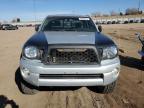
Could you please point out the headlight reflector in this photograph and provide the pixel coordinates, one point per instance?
(110, 52)
(31, 52)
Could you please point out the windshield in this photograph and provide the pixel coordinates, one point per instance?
(68, 24)
(6, 25)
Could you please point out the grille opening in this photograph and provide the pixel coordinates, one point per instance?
(70, 76)
(72, 56)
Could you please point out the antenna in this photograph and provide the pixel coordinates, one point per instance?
(34, 10)
(139, 5)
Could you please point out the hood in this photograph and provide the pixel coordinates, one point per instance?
(70, 37)
(103, 40)
(43, 39)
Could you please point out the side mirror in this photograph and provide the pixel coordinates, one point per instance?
(37, 27)
(100, 28)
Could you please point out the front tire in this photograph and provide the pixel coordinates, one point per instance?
(107, 89)
(27, 88)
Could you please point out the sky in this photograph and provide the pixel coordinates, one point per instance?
(38, 9)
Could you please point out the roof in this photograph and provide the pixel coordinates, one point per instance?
(67, 15)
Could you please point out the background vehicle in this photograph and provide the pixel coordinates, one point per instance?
(113, 22)
(9, 27)
(0, 27)
(131, 20)
(109, 22)
(142, 20)
(137, 20)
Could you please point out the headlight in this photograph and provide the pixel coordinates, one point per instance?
(110, 52)
(31, 52)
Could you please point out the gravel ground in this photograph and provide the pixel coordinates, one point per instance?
(129, 92)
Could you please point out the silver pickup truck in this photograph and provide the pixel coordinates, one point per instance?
(69, 50)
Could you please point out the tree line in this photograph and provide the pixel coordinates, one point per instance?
(128, 11)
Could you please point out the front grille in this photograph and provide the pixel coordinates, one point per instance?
(70, 76)
(72, 56)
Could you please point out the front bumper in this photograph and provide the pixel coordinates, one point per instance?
(32, 69)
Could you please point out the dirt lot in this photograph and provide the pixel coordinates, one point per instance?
(129, 92)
